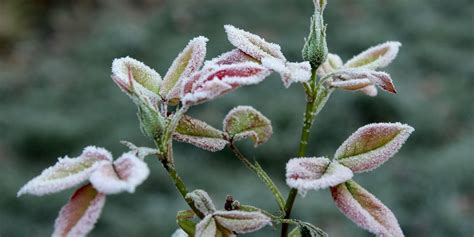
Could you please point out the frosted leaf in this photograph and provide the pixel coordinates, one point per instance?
(129, 74)
(187, 62)
(380, 79)
(67, 172)
(78, 217)
(244, 122)
(332, 63)
(202, 201)
(365, 210)
(369, 90)
(351, 84)
(306, 229)
(371, 145)
(315, 173)
(231, 57)
(206, 85)
(252, 44)
(200, 134)
(242, 222)
(289, 72)
(125, 174)
(384, 81)
(320, 5)
(206, 227)
(375, 57)
(140, 152)
(179, 233)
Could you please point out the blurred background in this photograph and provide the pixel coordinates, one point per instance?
(56, 97)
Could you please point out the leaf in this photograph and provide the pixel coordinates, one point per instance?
(371, 145)
(180, 233)
(140, 152)
(365, 210)
(231, 57)
(289, 72)
(187, 62)
(245, 121)
(375, 57)
(308, 230)
(206, 227)
(315, 173)
(125, 174)
(332, 63)
(369, 90)
(129, 73)
(380, 79)
(67, 172)
(252, 44)
(216, 81)
(78, 216)
(184, 220)
(242, 222)
(356, 84)
(200, 134)
(202, 201)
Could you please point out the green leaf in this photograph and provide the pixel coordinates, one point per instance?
(309, 230)
(183, 218)
(244, 122)
(200, 134)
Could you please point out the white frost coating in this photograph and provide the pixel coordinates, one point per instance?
(307, 174)
(332, 63)
(121, 70)
(252, 44)
(78, 217)
(125, 174)
(206, 227)
(67, 172)
(245, 121)
(206, 143)
(376, 56)
(207, 85)
(372, 145)
(289, 72)
(365, 210)
(380, 79)
(231, 57)
(351, 84)
(179, 233)
(242, 222)
(202, 201)
(369, 90)
(185, 64)
(140, 152)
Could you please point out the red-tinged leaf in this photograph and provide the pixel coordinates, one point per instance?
(67, 172)
(231, 57)
(315, 173)
(370, 146)
(78, 217)
(380, 79)
(206, 227)
(252, 44)
(125, 174)
(246, 122)
(211, 83)
(200, 134)
(365, 210)
(242, 222)
(375, 57)
(384, 81)
(187, 62)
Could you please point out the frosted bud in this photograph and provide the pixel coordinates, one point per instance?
(240, 221)
(315, 49)
(365, 210)
(371, 145)
(246, 122)
(200, 134)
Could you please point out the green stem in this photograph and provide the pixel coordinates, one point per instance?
(257, 169)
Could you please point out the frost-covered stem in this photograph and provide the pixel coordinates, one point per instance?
(317, 96)
(261, 174)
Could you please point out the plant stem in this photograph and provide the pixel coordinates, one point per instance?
(317, 96)
(261, 174)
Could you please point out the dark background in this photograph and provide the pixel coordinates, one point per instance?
(56, 97)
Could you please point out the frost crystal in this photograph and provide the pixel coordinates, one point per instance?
(242, 222)
(206, 227)
(78, 217)
(202, 201)
(200, 134)
(370, 146)
(125, 174)
(67, 172)
(375, 57)
(365, 210)
(244, 121)
(210, 83)
(315, 173)
(231, 57)
(187, 62)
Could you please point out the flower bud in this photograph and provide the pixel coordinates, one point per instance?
(315, 49)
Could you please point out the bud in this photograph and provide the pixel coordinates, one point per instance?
(315, 49)
(152, 124)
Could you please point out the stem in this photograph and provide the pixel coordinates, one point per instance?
(317, 96)
(257, 169)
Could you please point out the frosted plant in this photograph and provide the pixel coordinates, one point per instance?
(191, 80)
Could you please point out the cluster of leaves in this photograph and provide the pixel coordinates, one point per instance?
(191, 81)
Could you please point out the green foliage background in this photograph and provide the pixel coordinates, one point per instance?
(56, 97)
